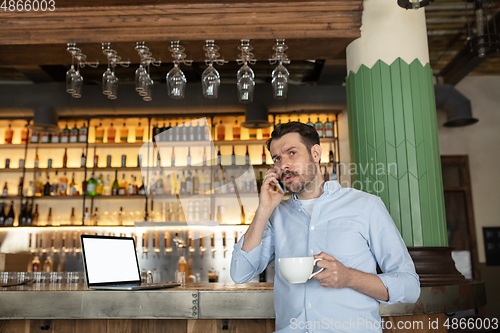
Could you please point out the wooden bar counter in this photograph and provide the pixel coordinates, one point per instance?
(195, 307)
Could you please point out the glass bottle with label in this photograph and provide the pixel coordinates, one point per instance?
(106, 190)
(63, 185)
(91, 185)
(54, 188)
(65, 133)
(266, 133)
(73, 135)
(82, 158)
(99, 186)
(309, 122)
(37, 160)
(236, 131)
(99, 134)
(55, 138)
(247, 157)
(172, 158)
(319, 128)
(72, 186)
(9, 134)
(49, 217)
(330, 155)
(221, 132)
(46, 188)
(116, 187)
(124, 134)
(24, 135)
(83, 133)
(35, 136)
(204, 156)
(139, 133)
(123, 186)
(263, 155)
(65, 158)
(252, 133)
(5, 191)
(189, 157)
(111, 134)
(328, 128)
(35, 265)
(72, 217)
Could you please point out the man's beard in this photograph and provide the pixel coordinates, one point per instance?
(304, 180)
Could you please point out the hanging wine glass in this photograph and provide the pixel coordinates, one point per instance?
(138, 73)
(70, 76)
(149, 91)
(210, 80)
(143, 83)
(176, 83)
(279, 81)
(113, 86)
(107, 78)
(246, 84)
(77, 85)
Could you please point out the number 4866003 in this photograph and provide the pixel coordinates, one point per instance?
(28, 5)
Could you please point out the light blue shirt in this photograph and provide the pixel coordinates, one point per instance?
(355, 228)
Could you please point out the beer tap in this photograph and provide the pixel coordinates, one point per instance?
(179, 242)
(224, 243)
(212, 244)
(168, 248)
(145, 247)
(63, 244)
(155, 244)
(30, 245)
(47, 242)
(191, 241)
(202, 243)
(77, 242)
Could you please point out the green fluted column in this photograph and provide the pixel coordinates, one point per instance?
(394, 146)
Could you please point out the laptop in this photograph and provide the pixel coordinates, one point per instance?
(111, 263)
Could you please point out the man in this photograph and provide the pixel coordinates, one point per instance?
(350, 229)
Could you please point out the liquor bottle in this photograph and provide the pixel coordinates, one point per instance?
(309, 122)
(189, 184)
(91, 185)
(252, 133)
(217, 183)
(83, 133)
(131, 190)
(156, 131)
(72, 217)
(9, 134)
(37, 160)
(158, 159)
(330, 154)
(326, 176)
(49, 217)
(183, 183)
(9, 220)
(111, 134)
(55, 138)
(5, 191)
(22, 214)
(46, 188)
(99, 134)
(170, 135)
(198, 132)
(124, 134)
(96, 160)
(24, 135)
(96, 217)
(65, 134)
(191, 132)
(65, 158)
(163, 133)
(123, 186)
(206, 131)
(230, 186)
(139, 133)
(38, 185)
(233, 158)
(266, 133)
(34, 218)
(328, 128)
(82, 158)
(100, 185)
(219, 157)
(106, 190)
(221, 132)
(54, 188)
(139, 160)
(86, 217)
(247, 157)
(263, 155)
(63, 186)
(35, 265)
(159, 184)
(236, 131)
(20, 187)
(2, 214)
(196, 183)
(319, 128)
(44, 137)
(120, 216)
(172, 158)
(115, 188)
(204, 156)
(177, 132)
(261, 180)
(72, 186)
(189, 157)
(142, 189)
(35, 136)
(73, 135)
(184, 131)
(279, 123)
(334, 173)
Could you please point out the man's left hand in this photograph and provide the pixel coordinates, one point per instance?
(335, 274)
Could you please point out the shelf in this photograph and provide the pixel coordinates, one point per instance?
(14, 170)
(140, 144)
(173, 224)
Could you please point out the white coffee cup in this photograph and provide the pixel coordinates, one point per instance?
(298, 269)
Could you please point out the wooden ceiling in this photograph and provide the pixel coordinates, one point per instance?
(32, 45)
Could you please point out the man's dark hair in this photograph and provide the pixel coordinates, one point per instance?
(308, 135)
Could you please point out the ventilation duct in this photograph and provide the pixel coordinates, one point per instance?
(44, 120)
(256, 116)
(456, 106)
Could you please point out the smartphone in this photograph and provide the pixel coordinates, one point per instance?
(280, 187)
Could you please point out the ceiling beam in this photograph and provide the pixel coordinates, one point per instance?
(464, 61)
(199, 21)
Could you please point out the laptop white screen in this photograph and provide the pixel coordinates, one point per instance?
(110, 260)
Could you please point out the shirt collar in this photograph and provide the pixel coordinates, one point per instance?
(329, 188)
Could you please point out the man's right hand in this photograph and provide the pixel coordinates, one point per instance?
(269, 198)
